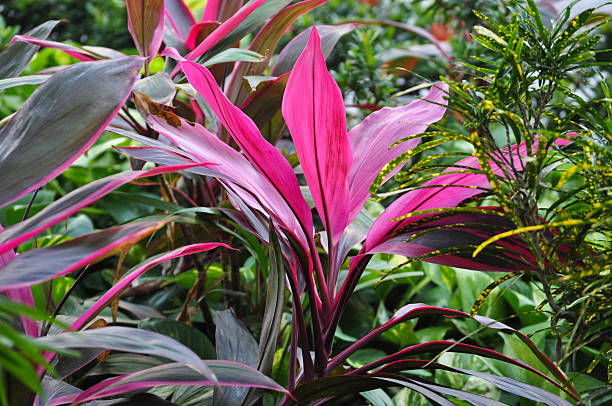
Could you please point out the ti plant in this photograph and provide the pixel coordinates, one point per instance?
(202, 135)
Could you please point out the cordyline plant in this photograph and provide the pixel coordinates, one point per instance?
(262, 186)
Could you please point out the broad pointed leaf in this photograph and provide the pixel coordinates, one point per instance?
(372, 139)
(314, 112)
(86, 97)
(146, 24)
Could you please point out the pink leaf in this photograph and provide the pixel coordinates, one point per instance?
(76, 52)
(179, 16)
(263, 155)
(314, 112)
(371, 140)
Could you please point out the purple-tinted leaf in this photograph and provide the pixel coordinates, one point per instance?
(134, 340)
(332, 386)
(134, 273)
(71, 203)
(76, 52)
(266, 41)
(224, 29)
(179, 16)
(450, 239)
(407, 312)
(86, 98)
(146, 24)
(227, 374)
(314, 112)
(42, 264)
(266, 158)
(329, 34)
(371, 140)
(234, 343)
(221, 158)
(16, 57)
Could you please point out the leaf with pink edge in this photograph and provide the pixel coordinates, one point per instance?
(76, 52)
(313, 108)
(179, 17)
(55, 134)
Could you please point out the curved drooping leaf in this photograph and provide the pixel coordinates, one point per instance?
(227, 374)
(134, 273)
(329, 34)
(313, 108)
(16, 57)
(61, 119)
(372, 139)
(146, 24)
(71, 203)
(265, 42)
(43, 264)
(331, 386)
(134, 340)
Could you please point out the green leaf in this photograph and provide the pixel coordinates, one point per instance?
(184, 334)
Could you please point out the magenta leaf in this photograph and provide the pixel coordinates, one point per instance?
(146, 24)
(314, 112)
(134, 273)
(227, 373)
(42, 264)
(263, 155)
(55, 134)
(371, 140)
(71, 203)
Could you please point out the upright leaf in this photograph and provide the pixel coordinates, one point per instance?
(61, 119)
(146, 24)
(234, 343)
(179, 17)
(314, 112)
